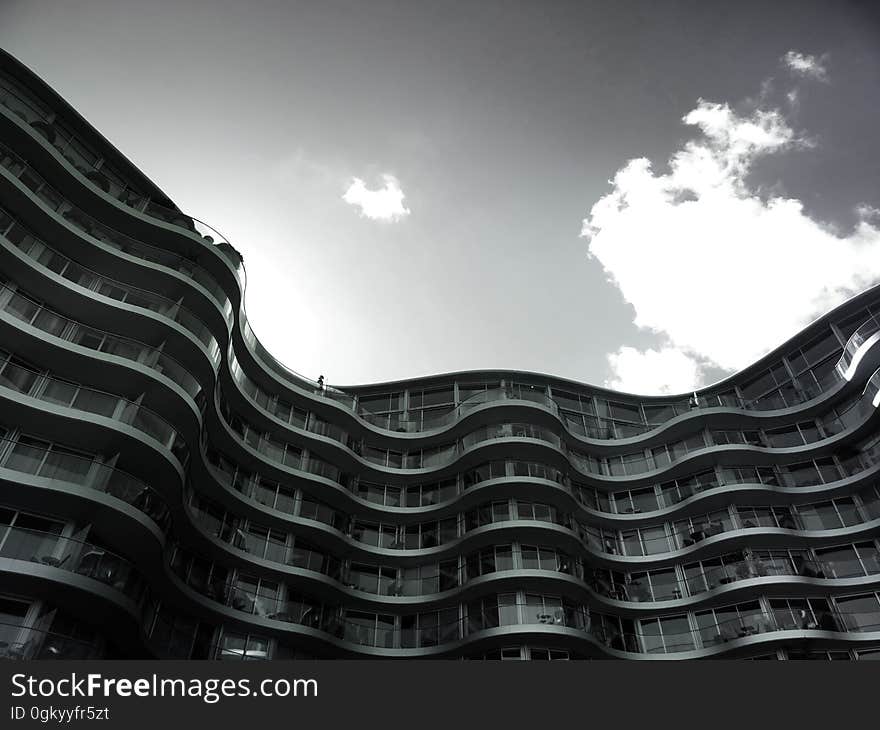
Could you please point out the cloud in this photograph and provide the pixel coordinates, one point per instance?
(867, 212)
(809, 66)
(384, 204)
(668, 370)
(719, 272)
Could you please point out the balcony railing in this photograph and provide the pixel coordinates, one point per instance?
(72, 555)
(37, 314)
(104, 233)
(23, 642)
(42, 254)
(78, 153)
(85, 472)
(45, 387)
(383, 631)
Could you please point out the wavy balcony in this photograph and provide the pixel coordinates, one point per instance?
(207, 501)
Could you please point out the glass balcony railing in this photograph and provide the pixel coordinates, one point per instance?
(36, 314)
(44, 255)
(834, 422)
(657, 540)
(651, 587)
(809, 392)
(588, 497)
(321, 513)
(31, 456)
(79, 154)
(638, 590)
(636, 542)
(74, 556)
(606, 429)
(858, 338)
(429, 629)
(873, 386)
(109, 236)
(425, 422)
(23, 642)
(654, 640)
(276, 450)
(384, 584)
(45, 387)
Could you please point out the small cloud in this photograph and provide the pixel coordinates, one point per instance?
(668, 370)
(384, 204)
(867, 213)
(809, 66)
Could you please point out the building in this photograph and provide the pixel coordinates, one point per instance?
(169, 489)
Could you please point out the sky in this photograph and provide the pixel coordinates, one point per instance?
(642, 195)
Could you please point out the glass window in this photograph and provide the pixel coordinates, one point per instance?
(792, 613)
(507, 609)
(860, 613)
(661, 456)
(27, 455)
(869, 557)
(432, 397)
(476, 392)
(846, 508)
(644, 500)
(655, 540)
(93, 401)
(17, 375)
(820, 517)
(815, 351)
(625, 412)
(660, 413)
(530, 557)
(783, 438)
(802, 474)
(677, 634)
(504, 557)
(664, 584)
(758, 386)
(66, 464)
(666, 635)
(652, 639)
(60, 392)
(12, 615)
(839, 562)
(631, 542)
(21, 307)
(448, 529)
(31, 538)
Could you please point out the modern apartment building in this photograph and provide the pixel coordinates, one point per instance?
(169, 489)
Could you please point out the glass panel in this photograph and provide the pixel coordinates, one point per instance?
(66, 465)
(677, 634)
(95, 402)
(60, 392)
(507, 609)
(27, 455)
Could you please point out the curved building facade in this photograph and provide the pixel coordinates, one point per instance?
(169, 489)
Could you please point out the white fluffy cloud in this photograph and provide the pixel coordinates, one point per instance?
(667, 370)
(722, 274)
(384, 204)
(805, 65)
